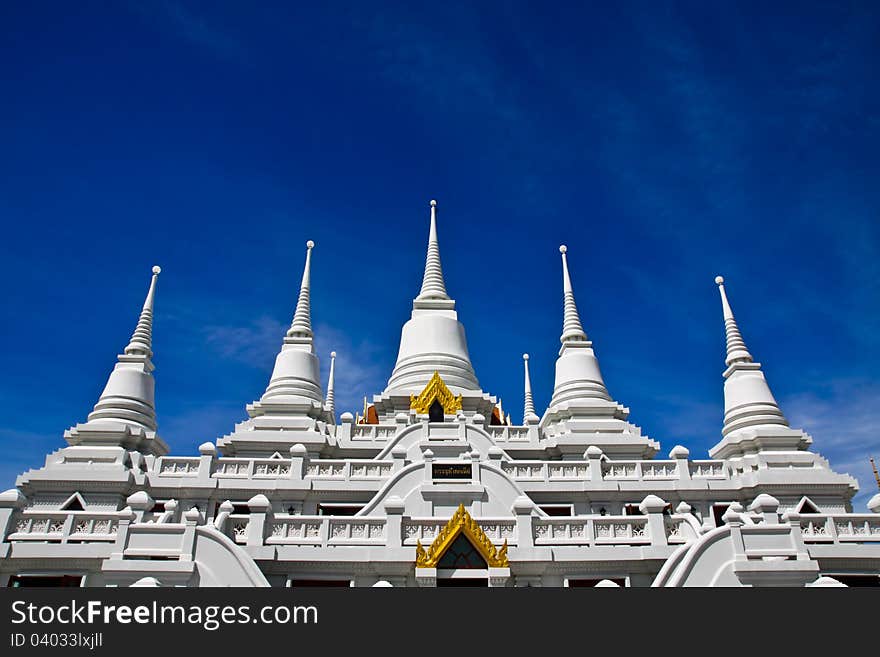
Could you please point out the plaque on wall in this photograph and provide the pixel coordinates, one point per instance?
(451, 470)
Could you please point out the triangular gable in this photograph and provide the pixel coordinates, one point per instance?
(806, 505)
(461, 523)
(435, 390)
(74, 503)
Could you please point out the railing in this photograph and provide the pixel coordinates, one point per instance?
(640, 470)
(186, 466)
(251, 468)
(238, 527)
(707, 470)
(65, 526)
(425, 530)
(837, 528)
(505, 433)
(604, 530)
(373, 431)
(323, 530)
(547, 470)
(677, 530)
(349, 469)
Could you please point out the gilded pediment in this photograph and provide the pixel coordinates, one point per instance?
(435, 390)
(461, 522)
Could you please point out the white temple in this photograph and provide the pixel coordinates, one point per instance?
(433, 485)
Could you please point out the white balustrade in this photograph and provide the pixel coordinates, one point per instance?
(602, 530)
(65, 526)
(707, 470)
(186, 466)
(505, 433)
(380, 432)
(659, 470)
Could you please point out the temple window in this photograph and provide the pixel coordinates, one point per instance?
(435, 412)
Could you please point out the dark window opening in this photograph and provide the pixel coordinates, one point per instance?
(718, 510)
(462, 554)
(326, 583)
(557, 509)
(339, 509)
(22, 581)
(462, 582)
(241, 509)
(808, 507)
(858, 580)
(631, 510)
(435, 412)
(73, 504)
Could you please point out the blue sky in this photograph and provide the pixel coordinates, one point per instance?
(664, 143)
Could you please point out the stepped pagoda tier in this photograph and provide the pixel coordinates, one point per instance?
(581, 413)
(432, 341)
(431, 484)
(292, 410)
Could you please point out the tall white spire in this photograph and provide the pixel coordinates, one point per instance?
(293, 409)
(748, 403)
(433, 285)
(301, 327)
(736, 346)
(142, 338)
(581, 413)
(295, 378)
(529, 402)
(433, 340)
(331, 397)
(129, 398)
(577, 369)
(572, 329)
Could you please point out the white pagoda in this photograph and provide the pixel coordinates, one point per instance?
(432, 485)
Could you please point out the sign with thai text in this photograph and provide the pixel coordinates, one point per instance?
(451, 470)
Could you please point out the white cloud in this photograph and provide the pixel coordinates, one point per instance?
(844, 420)
(362, 367)
(255, 343)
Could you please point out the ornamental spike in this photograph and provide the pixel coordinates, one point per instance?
(572, 329)
(302, 318)
(141, 343)
(331, 398)
(736, 346)
(433, 286)
(529, 405)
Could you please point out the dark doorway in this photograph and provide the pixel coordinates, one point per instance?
(20, 581)
(480, 582)
(435, 412)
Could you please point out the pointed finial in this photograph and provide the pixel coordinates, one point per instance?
(302, 318)
(331, 397)
(529, 405)
(736, 346)
(876, 474)
(141, 342)
(572, 329)
(433, 285)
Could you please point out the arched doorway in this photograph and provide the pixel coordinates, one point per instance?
(435, 411)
